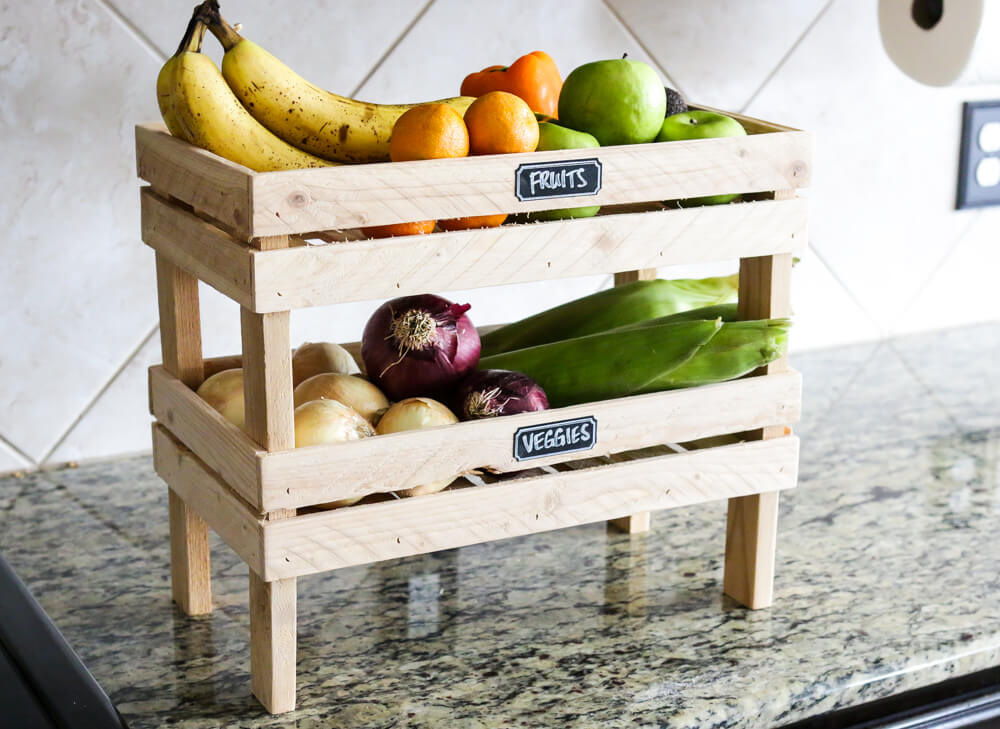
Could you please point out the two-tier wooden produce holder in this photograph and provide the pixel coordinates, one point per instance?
(246, 235)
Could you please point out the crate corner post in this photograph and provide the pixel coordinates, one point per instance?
(752, 521)
(180, 340)
(267, 383)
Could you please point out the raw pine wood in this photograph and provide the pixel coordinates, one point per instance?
(272, 642)
(267, 371)
(319, 474)
(203, 491)
(180, 322)
(327, 274)
(199, 178)
(634, 523)
(224, 447)
(765, 292)
(190, 562)
(372, 532)
(351, 196)
(196, 246)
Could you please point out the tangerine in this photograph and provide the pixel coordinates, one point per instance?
(501, 123)
(428, 131)
(420, 227)
(473, 221)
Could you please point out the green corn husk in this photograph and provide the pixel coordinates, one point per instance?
(617, 307)
(726, 312)
(646, 359)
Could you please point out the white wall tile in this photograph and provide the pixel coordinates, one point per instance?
(885, 159)
(11, 461)
(76, 287)
(718, 53)
(333, 43)
(963, 289)
(119, 420)
(456, 37)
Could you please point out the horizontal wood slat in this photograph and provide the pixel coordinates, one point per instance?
(319, 474)
(387, 530)
(301, 201)
(358, 270)
(203, 180)
(198, 247)
(224, 447)
(202, 490)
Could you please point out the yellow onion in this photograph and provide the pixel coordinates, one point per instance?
(313, 358)
(328, 421)
(411, 414)
(358, 394)
(224, 392)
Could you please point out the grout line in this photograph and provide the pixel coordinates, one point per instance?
(788, 54)
(133, 30)
(628, 31)
(18, 452)
(132, 355)
(877, 346)
(388, 51)
(850, 294)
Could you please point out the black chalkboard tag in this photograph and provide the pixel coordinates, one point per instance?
(549, 439)
(545, 180)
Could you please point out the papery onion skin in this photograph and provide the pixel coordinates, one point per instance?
(358, 394)
(419, 346)
(491, 393)
(224, 392)
(313, 358)
(328, 421)
(412, 414)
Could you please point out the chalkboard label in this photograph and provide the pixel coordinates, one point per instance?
(544, 180)
(565, 436)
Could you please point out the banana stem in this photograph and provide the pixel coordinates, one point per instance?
(222, 30)
(193, 35)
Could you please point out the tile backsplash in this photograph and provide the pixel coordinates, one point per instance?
(888, 253)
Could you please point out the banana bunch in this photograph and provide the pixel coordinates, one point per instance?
(198, 106)
(262, 114)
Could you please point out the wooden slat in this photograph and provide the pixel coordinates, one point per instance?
(350, 196)
(273, 642)
(372, 532)
(223, 446)
(360, 270)
(205, 181)
(197, 247)
(319, 474)
(202, 490)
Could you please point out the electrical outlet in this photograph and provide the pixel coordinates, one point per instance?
(979, 161)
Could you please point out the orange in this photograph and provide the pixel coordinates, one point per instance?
(474, 221)
(501, 123)
(428, 131)
(387, 231)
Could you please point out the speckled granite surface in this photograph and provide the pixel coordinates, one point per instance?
(887, 579)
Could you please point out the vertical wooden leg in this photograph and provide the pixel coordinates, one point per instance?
(190, 573)
(752, 522)
(272, 642)
(634, 523)
(751, 537)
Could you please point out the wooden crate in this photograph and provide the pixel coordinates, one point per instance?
(247, 234)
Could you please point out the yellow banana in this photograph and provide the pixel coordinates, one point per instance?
(325, 124)
(198, 105)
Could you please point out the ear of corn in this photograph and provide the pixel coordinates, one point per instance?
(726, 312)
(617, 307)
(646, 359)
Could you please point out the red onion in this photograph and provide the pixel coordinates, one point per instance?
(419, 346)
(488, 393)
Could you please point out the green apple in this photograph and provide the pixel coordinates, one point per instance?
(701, 125)
(554, 136)
(618, 101)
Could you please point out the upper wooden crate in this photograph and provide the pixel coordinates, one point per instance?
(224, 205)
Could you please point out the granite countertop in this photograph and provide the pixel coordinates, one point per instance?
(887, 577)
